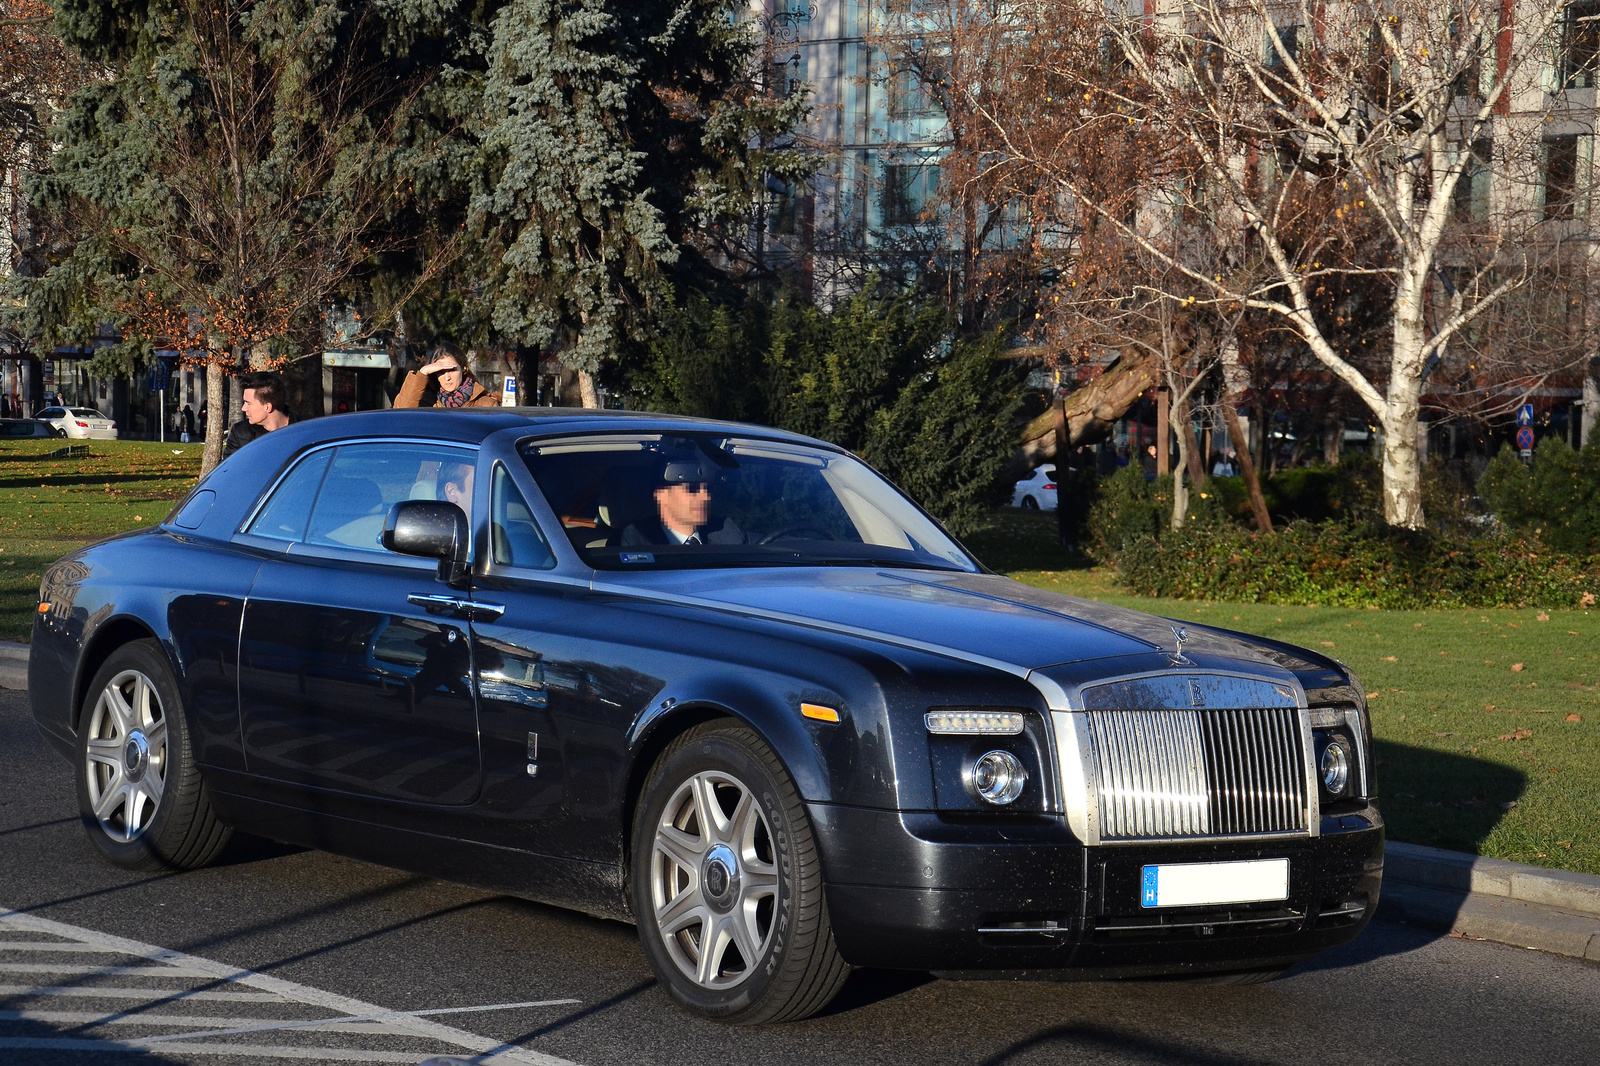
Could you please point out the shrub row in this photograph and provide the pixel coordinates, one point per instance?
(1336, 564)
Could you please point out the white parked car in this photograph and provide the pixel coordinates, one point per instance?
(1038, 492)
(80, 423)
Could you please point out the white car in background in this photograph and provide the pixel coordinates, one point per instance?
(1037, 492)
(80, 423)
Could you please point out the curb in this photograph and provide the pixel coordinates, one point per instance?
(1447, 891)
(13, 665)
(1491, 899)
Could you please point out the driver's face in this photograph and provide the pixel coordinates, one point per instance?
(684, 506)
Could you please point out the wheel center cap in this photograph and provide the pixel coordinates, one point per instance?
(135, 756)
(720, 877)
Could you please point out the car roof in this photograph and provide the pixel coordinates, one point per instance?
(473, 425)
(239, 480)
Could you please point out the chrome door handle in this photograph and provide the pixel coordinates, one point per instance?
(487, 612)
(436, 604)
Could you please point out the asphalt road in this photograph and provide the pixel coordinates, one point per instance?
(273, 935)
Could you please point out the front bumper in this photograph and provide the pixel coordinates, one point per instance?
(912, 890)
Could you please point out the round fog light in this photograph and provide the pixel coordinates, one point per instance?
(998, 777)
(1335, 768)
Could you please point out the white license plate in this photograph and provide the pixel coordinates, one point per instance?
(1200, 884)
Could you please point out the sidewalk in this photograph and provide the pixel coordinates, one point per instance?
(1448, 891)
(13, 665)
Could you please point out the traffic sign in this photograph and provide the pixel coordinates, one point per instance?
(1525, 417)
(1525, 438)
(508, 392)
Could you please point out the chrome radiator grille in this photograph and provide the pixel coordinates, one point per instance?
(1194, 773)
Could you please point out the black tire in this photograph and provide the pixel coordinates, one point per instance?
(1030, 504)
(139, 794)
(769, 890)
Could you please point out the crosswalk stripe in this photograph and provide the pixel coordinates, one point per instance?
(150, 994)
(102, 971)
(485, 1049)
(198, 1021)
(262, 1051)
(51, 945)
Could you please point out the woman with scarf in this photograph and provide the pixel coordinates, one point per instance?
(457, 387)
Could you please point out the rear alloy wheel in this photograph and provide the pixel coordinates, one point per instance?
(727, 885)
(139, 794)
(1030, 504)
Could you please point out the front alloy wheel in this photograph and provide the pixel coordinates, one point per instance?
(713, 884)
(139, 791)
(125, 756)
(727, 882)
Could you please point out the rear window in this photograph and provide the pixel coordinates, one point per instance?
(84, 412)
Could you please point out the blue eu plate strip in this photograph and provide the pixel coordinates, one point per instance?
(1147, 888)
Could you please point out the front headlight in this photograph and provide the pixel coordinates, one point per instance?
(1334, 766)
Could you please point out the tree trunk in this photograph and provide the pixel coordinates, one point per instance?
(1188, 450)
(1180, 487)
(586, 389)
(1231, 381)
(216, 419)
(1092, 410)
(1402, 468)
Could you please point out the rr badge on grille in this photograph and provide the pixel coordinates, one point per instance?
(1197, 696)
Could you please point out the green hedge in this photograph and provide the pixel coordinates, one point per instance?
(1336, 564)
(1557, 500)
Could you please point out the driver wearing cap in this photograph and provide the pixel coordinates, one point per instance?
(683, 506)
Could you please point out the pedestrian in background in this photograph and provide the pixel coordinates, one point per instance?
(452, 382)
(264, 409)
(186, 424)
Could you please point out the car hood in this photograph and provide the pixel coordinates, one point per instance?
(983, 617)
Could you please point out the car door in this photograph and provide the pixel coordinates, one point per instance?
(351, 676)
(559, 687)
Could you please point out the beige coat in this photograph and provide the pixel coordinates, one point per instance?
(416, 383)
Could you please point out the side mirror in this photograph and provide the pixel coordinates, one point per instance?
(431, 530)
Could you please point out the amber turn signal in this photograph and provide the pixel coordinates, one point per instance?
(819, 712)
(44, 608)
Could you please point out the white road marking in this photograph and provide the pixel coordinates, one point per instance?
(263, 1051)
(197, 1021)
(117, 992)
(266, 990)
(102, 971)
(362, 1018)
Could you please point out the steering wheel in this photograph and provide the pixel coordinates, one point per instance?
(799, 527)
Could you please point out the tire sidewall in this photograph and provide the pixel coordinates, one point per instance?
(725, 750)
(148, 848)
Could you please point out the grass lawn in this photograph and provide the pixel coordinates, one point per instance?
(48, 506)
(1478, 749)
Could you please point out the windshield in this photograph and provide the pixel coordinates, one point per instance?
(644, 501)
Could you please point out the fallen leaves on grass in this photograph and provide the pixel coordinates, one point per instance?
(1488, 706)
(1326, 643)
(1543, 617)
(1516, 668)
(1516, 734)
(1390, 659)
(1587, 600)
(1373, 695)
(1508, 804)
(1573, 718)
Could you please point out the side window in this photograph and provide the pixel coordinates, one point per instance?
(284, 516)
(512, 530)
(365, 480)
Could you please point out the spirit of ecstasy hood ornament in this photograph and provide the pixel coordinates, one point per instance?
(1180, 637)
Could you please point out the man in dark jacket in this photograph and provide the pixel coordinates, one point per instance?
(263, 408)
(683, 508)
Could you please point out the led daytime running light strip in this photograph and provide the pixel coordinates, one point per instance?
(974, 722)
